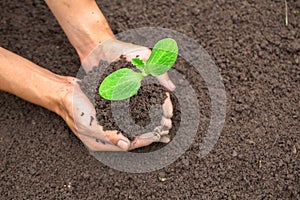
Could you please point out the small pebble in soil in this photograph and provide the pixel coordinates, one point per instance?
(162, 176)
(234, 153)
(294, 150)
(162, 179)
(111, 172)
(185, 162)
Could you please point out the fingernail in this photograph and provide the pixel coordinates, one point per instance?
(165, 122)
(123, 145)
(167, 107)
(165, 139)
(171, 86)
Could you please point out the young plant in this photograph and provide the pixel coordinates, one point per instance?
(125, 83)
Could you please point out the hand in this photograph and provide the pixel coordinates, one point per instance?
(161, 132)
(80, 115)
(110, 51)
(63, 96)
(92, 29)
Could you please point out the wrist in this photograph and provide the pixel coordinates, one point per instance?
(83, 23)
(91, 34)
(52, 91)
(63, 95)
(89, 45)
(30, 82)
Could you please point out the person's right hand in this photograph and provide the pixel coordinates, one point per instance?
(111, 50)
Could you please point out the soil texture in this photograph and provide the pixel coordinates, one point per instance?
(258, 153)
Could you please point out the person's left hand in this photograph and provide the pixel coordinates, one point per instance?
(80, 115)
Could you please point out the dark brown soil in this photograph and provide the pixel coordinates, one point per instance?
(257, 155)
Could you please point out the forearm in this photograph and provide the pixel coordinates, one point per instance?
(83, 23)
(30, 82)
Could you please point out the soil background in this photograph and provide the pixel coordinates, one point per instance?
(258, 153)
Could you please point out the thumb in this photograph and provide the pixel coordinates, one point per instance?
(118, 139)
(138, 51)
(165, 81)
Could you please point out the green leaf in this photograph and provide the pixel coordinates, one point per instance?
(138, 63)
(298, 13)
(121, 84)
(162, 58)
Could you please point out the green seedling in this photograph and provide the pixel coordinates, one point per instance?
(125, 83)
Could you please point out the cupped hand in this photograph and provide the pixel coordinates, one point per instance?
(80, 115)
(112, 49)
(84, 123)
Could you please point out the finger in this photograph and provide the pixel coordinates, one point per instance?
(98, 145)
(161, 130)
(118, 139)
(97, 133)
(162, 133)
(165, 139)
(141, 52)
(165, 81)
(144, 140)
(166, 123)
(167, 107)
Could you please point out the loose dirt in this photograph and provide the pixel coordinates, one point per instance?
(257, 155)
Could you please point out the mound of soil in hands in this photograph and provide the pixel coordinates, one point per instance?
(258, 153)
(150, 94)
(139, 104)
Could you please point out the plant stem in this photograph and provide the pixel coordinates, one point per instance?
(286, 13)
(144, 74)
